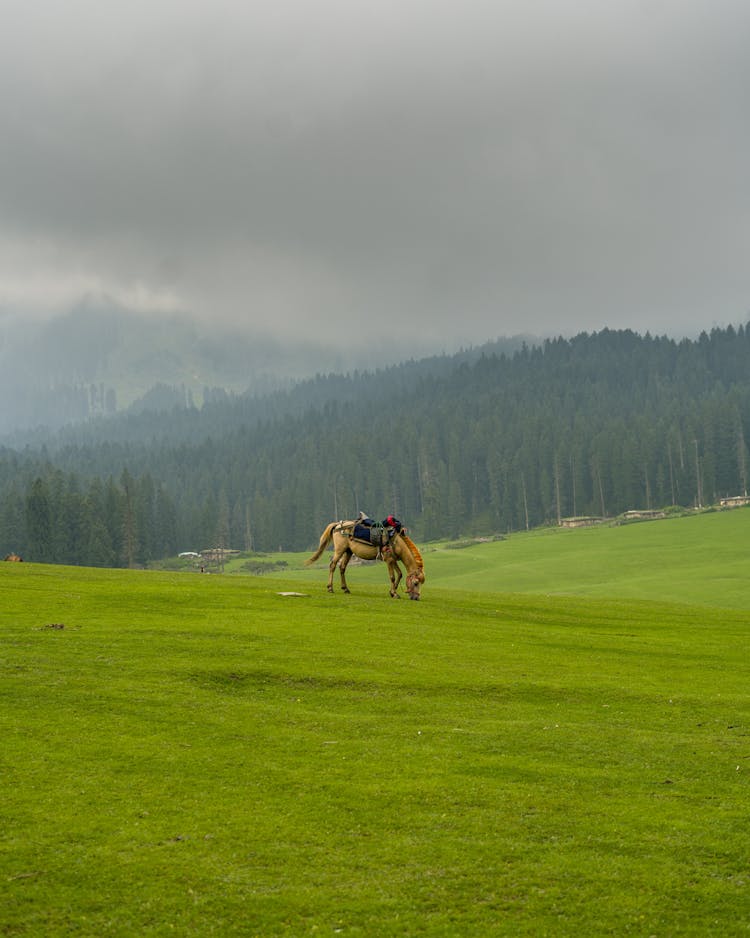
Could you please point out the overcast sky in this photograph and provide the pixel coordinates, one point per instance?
(351, 169)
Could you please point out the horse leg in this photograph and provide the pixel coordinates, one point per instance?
(346, 557)
(331, 569)
(394, 572)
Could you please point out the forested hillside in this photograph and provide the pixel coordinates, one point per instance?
(597, 425)
(99, 359)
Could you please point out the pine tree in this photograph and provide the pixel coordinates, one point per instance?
(129, 529)
(98, 550)
(12, 523)
(39, 523)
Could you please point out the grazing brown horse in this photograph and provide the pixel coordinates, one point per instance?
(14, 558)
(399, 548)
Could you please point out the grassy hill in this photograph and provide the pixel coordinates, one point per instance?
(199, 755)
(701, 558)
(698, 559)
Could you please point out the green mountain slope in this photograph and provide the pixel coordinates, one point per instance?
(698, 559)
(457, 446)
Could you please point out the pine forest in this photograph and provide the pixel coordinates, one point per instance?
(480, 443)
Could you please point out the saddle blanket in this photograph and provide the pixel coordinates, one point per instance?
(362, 533)
(376, 535)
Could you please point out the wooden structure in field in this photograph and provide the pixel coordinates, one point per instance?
(584, 521)
(736, 501)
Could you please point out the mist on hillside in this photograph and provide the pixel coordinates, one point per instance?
(99, 360)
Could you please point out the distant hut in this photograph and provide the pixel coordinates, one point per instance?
(583, 521)
(736, 501)
(643, 514)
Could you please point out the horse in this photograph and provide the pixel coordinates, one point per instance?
(399, 548)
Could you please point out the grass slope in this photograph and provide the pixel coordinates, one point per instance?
(199, 755)
(703, 558)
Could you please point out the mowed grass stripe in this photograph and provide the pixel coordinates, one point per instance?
(198, 755)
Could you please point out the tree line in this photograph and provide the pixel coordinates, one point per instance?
(59, 519)
(489, 442)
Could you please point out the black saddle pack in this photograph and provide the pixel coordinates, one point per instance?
(376, 534)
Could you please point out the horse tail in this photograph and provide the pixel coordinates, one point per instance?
(325, 538)
(415, 553)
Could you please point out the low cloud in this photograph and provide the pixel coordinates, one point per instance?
(357, 170)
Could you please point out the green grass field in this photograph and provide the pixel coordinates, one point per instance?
(199, 755)
(699, 559)
(703, 559)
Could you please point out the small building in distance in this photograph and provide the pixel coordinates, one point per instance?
(216, 557)
(583, 521)
(736, 501)
(643, 514)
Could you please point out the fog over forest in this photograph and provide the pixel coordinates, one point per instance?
(100, 359)
(491, 440)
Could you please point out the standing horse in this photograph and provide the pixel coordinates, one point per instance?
(399, 548)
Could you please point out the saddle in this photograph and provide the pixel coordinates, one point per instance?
(375, 534)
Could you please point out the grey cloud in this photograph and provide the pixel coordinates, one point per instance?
(452, 170)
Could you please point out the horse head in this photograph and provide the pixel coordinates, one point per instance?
(409, 553)
(414, 581)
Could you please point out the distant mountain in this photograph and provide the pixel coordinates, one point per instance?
(477, 443)
(100, 359)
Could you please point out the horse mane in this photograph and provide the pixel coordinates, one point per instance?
(414, 549)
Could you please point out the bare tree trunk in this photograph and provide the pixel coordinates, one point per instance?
(671, 474)
(598, 476)
(742, 458)
(573, 481)
(525, 501)
(248, 530)
(699, 482)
